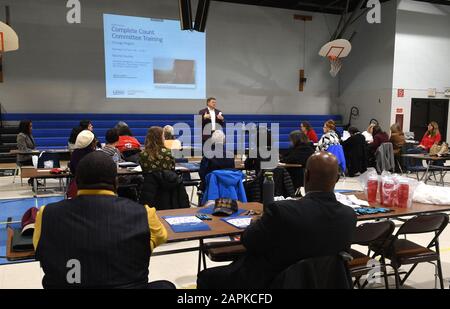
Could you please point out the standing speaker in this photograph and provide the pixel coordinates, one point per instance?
(185, 14)
(202, 15)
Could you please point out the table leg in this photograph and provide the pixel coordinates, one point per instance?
(35, 187)
(425, 175)
(200, 255)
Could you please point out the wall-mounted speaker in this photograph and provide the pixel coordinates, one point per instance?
(202, 15)
(185, 14)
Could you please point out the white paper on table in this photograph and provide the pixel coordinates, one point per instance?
(240, 222)
(357, 201)
(343, 199)
(136, 169)
(183, 220)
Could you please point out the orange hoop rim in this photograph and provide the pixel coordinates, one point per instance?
(333, 58)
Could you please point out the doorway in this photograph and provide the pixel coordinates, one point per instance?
(423, 111)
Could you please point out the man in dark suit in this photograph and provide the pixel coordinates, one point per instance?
(290, 231)
(211, 117)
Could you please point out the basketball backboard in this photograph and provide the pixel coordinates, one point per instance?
(9, 41)
(336, 49)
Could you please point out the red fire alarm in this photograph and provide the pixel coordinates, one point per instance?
(400, 93)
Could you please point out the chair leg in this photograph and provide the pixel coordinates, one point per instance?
(408, 274)
(16, 170)
(441, 277)
(397, 275)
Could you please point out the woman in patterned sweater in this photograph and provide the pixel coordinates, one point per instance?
(155, 156)
(330, 136)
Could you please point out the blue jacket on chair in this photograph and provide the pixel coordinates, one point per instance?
(338, 151)
(224, 184)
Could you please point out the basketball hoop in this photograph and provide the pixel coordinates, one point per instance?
(335, 51)
(336, 64)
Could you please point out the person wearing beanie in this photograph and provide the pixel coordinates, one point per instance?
(111, 238)
(84, 144)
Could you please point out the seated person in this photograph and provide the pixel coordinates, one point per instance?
(379, 137)
(368, 133)
(330, 137)
(432, 136)
(126, 140)
(84, 125)
(316, 225)
(169, 139)
(309, 131)
(112, 138)
(397, 138)
(110, 237)
(155, 155)
(210, 161)
(355, 150)
(299, 153)
(84, 145)
(25, 142)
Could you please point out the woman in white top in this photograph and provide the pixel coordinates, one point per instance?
(330, 136)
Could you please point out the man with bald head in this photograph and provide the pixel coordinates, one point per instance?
(316, 225)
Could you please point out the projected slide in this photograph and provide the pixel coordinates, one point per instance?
(153, 59)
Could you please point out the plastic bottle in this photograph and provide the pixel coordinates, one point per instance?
(372, 189)
(268, 189)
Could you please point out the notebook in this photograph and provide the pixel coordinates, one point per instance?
(183, 224)
(239, 222)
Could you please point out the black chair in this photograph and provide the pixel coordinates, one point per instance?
(328, 272)
(188, 181)
(404, 252)
(220, 251)
(46, 157)
(49, 156)
(131, 155)
(365, 235)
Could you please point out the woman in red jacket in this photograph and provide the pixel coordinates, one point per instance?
(431, 137)
(309, 131)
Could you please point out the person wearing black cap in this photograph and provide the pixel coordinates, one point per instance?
(110, 238)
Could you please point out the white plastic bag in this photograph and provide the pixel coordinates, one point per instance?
(35, 161)
(369, 181)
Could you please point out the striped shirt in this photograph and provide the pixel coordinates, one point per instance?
(328, 139)
(113, 152)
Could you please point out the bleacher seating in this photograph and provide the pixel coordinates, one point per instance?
(53, 130)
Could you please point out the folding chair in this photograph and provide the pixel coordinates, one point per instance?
(404, 252)
(365, 235)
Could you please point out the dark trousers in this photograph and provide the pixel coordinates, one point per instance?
(161, 285)
(415, 162)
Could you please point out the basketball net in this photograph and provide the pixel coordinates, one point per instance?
(336, 64)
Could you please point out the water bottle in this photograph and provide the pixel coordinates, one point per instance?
(268, 190)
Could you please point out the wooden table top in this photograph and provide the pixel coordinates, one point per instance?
(218, 227)
(427, 157)
(37, 151)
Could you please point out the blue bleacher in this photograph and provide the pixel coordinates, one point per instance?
(53, 130)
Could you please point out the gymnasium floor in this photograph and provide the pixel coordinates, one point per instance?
(179, 268)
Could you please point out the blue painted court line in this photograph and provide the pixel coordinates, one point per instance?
(15, 208)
